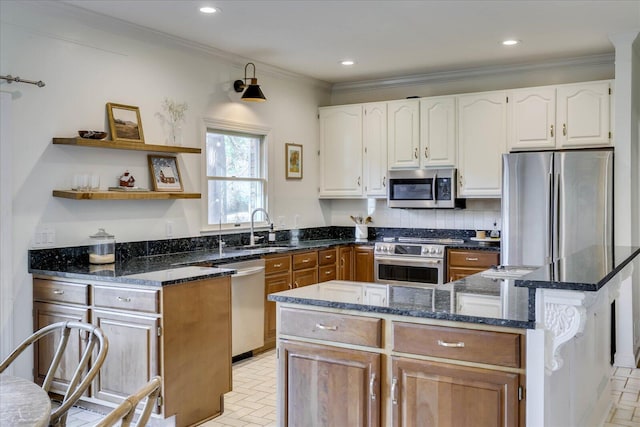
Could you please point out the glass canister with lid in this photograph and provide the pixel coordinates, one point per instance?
(103, 248)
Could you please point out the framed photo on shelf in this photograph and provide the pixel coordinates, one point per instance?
(293, 161)
(124, 123)
(165, 175)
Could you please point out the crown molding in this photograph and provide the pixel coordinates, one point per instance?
(453, 75)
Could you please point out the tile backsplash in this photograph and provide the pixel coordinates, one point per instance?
(480, 214)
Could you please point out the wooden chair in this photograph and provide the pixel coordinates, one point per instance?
(127, 409)
(82, 377)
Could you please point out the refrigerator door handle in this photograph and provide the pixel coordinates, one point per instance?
(550, 220)
(557, 227)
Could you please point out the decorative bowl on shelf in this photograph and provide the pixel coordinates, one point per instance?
(92, 134)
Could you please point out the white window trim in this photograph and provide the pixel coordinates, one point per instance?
(232, 126)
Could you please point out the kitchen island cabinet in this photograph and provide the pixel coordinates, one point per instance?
(181, 332)
(540, 356)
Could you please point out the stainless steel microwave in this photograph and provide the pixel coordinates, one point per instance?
(423, 188)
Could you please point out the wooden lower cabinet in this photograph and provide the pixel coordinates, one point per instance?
(133, 349)
(465, 262)
(181, 332)
(363, 260)
(345, 263)
(329, 386)
(273, 283)
(46, 314)
(426, 393)
(305, 277)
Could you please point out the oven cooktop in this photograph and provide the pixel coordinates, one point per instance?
(422, 240)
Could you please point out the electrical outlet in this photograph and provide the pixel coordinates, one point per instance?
(44, 237)
(169, 228)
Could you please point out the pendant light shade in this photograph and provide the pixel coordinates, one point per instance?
(253, 92)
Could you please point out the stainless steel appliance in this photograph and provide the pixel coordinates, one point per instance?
(555, 204)
(410, 261)
(423, 188)
(247, 305)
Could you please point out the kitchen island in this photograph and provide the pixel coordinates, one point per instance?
(530, 350)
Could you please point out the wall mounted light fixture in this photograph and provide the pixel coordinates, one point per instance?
(253, 92)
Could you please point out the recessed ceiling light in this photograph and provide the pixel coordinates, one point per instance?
(510, 42)
(347, 62)
(208, 9)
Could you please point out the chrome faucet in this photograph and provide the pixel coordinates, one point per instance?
(252, 238)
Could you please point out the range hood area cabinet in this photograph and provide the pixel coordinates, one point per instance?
(568, 116)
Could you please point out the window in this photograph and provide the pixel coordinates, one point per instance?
(236, 177)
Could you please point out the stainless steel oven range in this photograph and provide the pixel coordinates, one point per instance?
(411, 261)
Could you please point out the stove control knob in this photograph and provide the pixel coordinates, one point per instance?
(439, 251)
(432, 250)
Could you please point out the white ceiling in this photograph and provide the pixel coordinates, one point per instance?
(385, 38)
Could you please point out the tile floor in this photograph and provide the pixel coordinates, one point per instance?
(252, 402)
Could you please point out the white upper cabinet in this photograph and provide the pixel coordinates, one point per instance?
(583, 116)
(374, 129)
(565, 116)
(403, 133)
(482, 139)
(341, 151)
(532, 118)
(438, 131)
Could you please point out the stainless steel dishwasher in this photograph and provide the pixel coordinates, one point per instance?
(247, 305)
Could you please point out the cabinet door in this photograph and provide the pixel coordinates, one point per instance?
(363, 260)
(583, 116)
(45, 314)
(532, 119)
(374, 129)
(327, 272)
(438, 394)
(272, 284)
(345, 266)
(133, 354)
(328, 386)
(403, 133)
(482, 131)
(438, 131)
(341, 151)
(305, 277)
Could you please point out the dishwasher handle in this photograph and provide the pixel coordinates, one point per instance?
(247, 271)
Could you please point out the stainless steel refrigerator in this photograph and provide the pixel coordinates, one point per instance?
(555, 204)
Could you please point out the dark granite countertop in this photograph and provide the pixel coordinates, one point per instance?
(166, 269)
(475, 299)
(495, 297)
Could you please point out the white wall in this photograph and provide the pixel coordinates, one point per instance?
(86, 61)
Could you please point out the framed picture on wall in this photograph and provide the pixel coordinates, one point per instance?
(124, 123)
(293, 161)
(165, 175)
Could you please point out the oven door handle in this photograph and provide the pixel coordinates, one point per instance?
(407, 261)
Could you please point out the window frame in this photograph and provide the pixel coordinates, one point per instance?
(209, 124)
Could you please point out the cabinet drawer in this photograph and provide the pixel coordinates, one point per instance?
(328, 272)
(55, 291)
(327, 256)
(331, 327)
(126, 299)
(473, 258)
(305, 260)
(277, 264)
(495, 348)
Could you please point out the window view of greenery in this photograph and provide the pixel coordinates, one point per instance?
(236, 177)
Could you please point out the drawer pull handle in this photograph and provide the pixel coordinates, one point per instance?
(306, 260)
(326, 328)
(277, 265)
(459, 344)
(372, 383)
(394, 389)
(295, 284)
(328, 256)
(58, 292)
(290, 285)
(124, 299)
(328, 272)
(471, 259)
